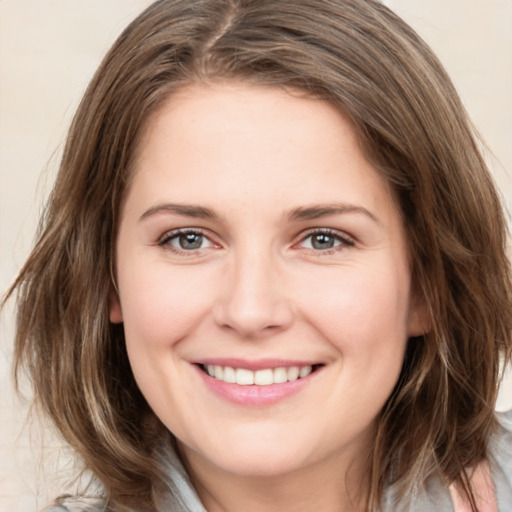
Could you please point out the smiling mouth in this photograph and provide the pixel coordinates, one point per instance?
(264, 377)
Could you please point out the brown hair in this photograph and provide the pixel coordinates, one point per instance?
(364, 60)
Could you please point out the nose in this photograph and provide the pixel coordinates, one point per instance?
(253, 300)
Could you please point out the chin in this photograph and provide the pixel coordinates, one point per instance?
(264, 464)
(266, 454)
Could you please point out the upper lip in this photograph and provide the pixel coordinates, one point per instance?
(256, 364)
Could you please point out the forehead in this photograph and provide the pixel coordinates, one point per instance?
(218, 109)
(228, 141)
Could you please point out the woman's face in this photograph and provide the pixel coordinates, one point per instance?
(264, 281)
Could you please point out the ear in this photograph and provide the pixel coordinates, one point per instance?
(419, 319)
(116, 315)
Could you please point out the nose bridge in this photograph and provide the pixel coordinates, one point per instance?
(254, 301)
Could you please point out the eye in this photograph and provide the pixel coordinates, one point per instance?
(325, 240)
(186, 241)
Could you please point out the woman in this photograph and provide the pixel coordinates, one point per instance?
(272, 271)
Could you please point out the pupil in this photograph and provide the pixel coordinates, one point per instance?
(190, 241)
(322, 241)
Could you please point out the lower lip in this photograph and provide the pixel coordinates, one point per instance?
(253, 395)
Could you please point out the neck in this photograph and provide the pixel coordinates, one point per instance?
(326, 486)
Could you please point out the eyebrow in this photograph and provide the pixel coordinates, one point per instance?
(323, 210)
(185, 210)
(300, 213)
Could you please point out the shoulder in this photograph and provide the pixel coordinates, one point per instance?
(492, 478)
(504, 433)
(78, 504)
(500, 459)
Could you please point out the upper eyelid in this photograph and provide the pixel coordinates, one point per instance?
(172, 233)
(179, 231)
(329, 231)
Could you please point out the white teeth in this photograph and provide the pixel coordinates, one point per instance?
(218, 372)
(292, 373)
(280, 375)
(266, 377)
(229, 375)
(305, 371)
(263, 377)
(244, 377)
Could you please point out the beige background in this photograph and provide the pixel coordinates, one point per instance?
(49, 50)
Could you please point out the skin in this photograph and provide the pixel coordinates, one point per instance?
(257, 287)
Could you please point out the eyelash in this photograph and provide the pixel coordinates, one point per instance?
(164, 242)
(344, 241)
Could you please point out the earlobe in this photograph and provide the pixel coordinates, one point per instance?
(116, 315)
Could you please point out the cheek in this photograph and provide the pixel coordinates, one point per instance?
(161, 304)
(360, 312)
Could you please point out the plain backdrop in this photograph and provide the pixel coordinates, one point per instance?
(48, 52)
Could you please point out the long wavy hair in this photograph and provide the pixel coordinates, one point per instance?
(365, 61)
